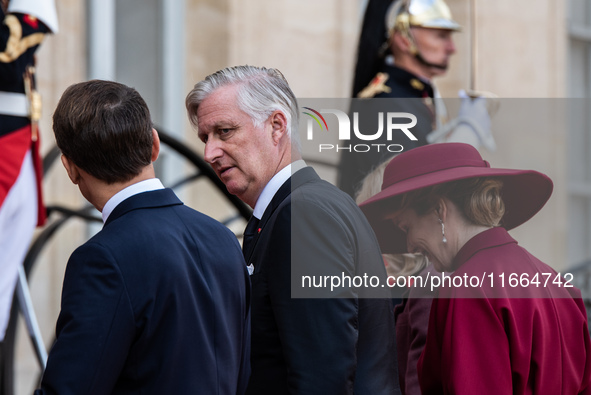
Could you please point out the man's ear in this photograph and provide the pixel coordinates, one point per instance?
(71, 169)
(402, 42)
(278, 125)
(155, 145)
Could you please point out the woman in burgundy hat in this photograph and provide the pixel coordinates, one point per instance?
(504, 322)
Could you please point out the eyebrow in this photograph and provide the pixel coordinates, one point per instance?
(222, 124)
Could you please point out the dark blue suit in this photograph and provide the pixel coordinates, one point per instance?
(156, 303)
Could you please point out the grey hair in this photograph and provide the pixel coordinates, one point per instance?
(261, 91)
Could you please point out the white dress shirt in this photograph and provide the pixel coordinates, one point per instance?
(152, 184)
(273, 186)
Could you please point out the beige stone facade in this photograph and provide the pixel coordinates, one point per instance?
(522, 53)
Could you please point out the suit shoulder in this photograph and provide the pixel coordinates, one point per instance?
(319, 200)
(136, 230)
(319, 190)
(96, 245)
(191, 214)
(94, 256)
(165, 216)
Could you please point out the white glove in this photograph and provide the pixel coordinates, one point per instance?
(473, 124)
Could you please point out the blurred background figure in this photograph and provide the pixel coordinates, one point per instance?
(403, 45)
(411, 311)
(24, 26)
(396, 264)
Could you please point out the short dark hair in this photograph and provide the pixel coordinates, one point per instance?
(104, 128)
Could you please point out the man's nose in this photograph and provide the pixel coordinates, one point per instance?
(451, 46)
(212, 151)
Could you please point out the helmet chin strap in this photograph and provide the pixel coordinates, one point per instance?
(429, 64)
(414, 50)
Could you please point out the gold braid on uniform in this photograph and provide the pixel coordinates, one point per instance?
(375, 87)
(16, 45)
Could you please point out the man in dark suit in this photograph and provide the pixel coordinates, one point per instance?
(158, 301)
(305, 340)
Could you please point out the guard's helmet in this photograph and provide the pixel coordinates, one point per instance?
(44, 10)
(399, 15)
(430, 14)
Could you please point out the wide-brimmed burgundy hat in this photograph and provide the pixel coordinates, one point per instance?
(524, 192)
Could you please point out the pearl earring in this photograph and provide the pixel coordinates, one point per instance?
(443, 231)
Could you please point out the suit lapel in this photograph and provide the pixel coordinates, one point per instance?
(282, 193)
(157, 198)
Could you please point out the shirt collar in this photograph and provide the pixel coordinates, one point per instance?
(143, 186)
(273, 186)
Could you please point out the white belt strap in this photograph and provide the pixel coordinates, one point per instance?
(15, 104)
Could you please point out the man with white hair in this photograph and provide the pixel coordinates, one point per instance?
(304, 341)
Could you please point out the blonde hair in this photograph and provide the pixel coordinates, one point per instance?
(479, 199)
(396, 264)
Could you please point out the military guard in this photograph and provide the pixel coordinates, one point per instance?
(403, 45)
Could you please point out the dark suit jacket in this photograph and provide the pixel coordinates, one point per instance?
(156, 303)
(317, 346)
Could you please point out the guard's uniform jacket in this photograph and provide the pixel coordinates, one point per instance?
(20, 36)
(407, 93)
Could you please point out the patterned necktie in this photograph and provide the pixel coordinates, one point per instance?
(249, 234)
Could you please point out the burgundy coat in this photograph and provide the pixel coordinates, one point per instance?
(492, 339)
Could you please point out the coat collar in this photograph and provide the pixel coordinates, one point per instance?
(408, 82)
(297, 179)
(157, 198)
(488, 239)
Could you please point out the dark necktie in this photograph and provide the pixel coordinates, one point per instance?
(249, 234)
